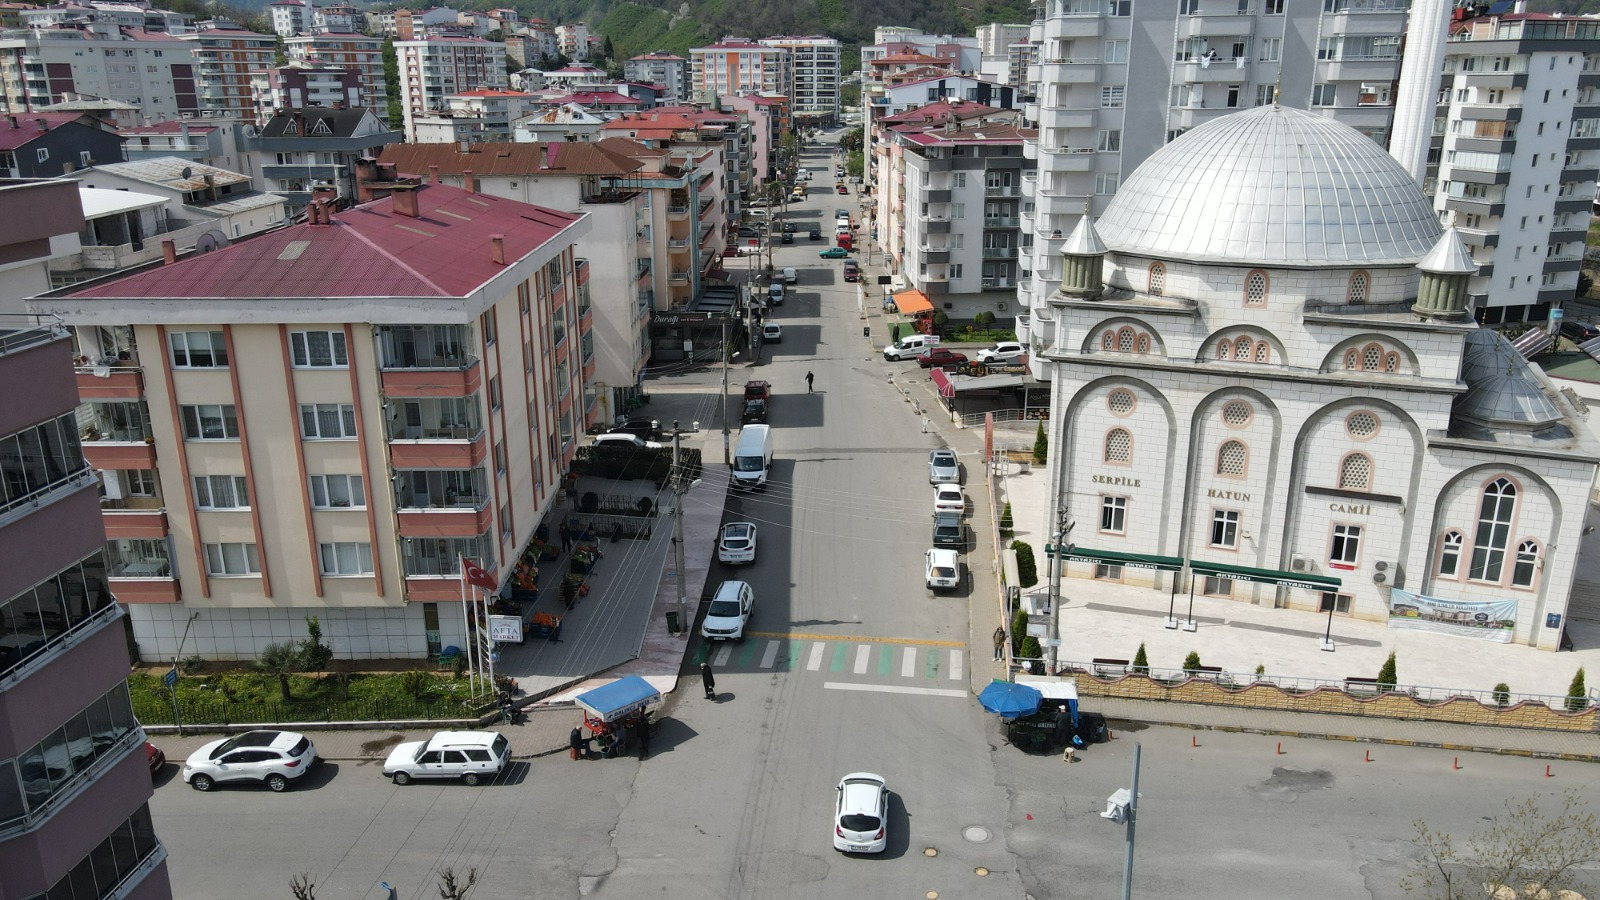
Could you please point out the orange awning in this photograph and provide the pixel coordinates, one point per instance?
(912, 302)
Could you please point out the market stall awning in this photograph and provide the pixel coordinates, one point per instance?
(912, 302)
(1265, 576)
(1115, 558)
(619, 698)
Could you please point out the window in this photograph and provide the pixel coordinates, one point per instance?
(1113, 514)
(1105, 183)
(318, 349)
(1265, 93)
(225, 560)
(1255, 288)
(198, 350)
(1322, 94)
(1158, 279)
(1225, 528)
(1270, 48)
(1119, 446)
(491, 332)
(1527, 561)
(337, 492)
(42, 154)
(1361, 425)
(1111, 96)
(1237, 414)
(500, 457)
(1120, 401)
(220, 492)
(1450, 554)
(345, 558)
(209, 422)
(1231, 459)
(1337, 603)
(505, 522)
(1346, 547)
(328, 421)
(1272, 7)
(1494, 530)
(1116, 51)
(1358, 288)
(1110, 141)
(1213, 586)
(1107, 572)
(1355, 472)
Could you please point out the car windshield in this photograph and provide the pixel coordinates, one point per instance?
(858, 822)
(724, 609)
(746, 464)
(735, 543)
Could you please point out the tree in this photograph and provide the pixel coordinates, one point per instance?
(1191, 663)
(280, 661)
(1041, 445)
(1526, 853)
(1027, 568)
(1386, 675)
(1141, 663)
(391, 83)
(1019, 629)
(302, 887)
(450, 888)
(1029, 652)
(1007, 524)
(314, 654)
(1577, 693)
(1502, 694)
(1585, 282)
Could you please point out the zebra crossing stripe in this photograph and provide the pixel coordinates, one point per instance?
(955, 665)
(815, 662)
(791, 661)
(885, 660)
(725, 651)
(769, 655)
(933, 665)
(862, 653)
(837, 665)
(908, 662)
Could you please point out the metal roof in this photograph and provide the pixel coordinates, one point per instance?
(99, 202)
(172, 172)
(1272, 186)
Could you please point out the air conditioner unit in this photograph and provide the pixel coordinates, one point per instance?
(1303, 564)
(1383, 572)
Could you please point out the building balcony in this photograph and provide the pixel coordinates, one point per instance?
(1002, 190)
(1000, 253)
(1001, 221)
(124, 381)
(1383, 69)
(677, 214)
(935, 255)
(439, 453)
(999, 284)
(134, 517)
(462, 379)
(678, 245)
(1073, 26)
(332, 173)
(1069, 159)
(1070, 71)
(680, 276)
(936, 226)
(461, 520)
(1059, 117)
(580, 271)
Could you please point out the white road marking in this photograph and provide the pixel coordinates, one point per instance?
(722, 656)
(770, 655)
(908, 663)
(815, 662)
(894, 689)
(955, 665)
(862, 652)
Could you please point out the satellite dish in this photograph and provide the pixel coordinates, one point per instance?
(211, 240)
(187, 172)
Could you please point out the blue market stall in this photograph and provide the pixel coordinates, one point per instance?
(615, 712)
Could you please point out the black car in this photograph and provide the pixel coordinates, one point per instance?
(788, 228)
(642, 427)
(1578, 332)
(755, 413)
(948, 530)
(816, 234)
(788, 238)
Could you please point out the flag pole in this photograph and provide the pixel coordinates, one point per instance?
(488, 642)
(467, 634)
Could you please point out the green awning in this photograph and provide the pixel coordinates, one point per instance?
(1114, 558)
(1265, 576)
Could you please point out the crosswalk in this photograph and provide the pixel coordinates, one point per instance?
(937, 668)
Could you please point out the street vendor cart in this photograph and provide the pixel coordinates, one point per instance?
(618, 712)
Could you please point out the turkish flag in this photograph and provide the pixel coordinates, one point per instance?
(478, 576)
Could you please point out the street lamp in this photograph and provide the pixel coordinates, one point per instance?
(680, 486)
(727, 452)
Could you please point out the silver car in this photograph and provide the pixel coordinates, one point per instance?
(943, 467)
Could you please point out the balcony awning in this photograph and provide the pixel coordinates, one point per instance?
(912, 302)
(1265, 576)
(1115, 558)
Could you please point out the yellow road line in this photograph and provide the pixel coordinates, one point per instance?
(854, 639)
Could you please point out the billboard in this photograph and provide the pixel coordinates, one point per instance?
(1486, 620)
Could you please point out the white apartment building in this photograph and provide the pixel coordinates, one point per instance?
(963, 54)
(1514, 156)
(995, 39)
(356, 52)
(573, 41)
(814, 73)
(433, 68)
(290, 17)
(336, 18)
(155, 72)
(668, 70)
(736, 66)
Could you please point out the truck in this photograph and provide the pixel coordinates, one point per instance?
(752, 459)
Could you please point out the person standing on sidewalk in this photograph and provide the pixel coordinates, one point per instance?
(999, 642)
(566, 537)
(708, 680)
(580, 747)
(809, 379)
(644, 738)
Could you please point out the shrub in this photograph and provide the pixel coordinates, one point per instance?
(1191, 663)
(191, 664)
(1030, 653)
(1141, 663)
(986, 318)
(1006, 523)
(1577, 693)
(1386, 675)
(1027, 569)
(1041, 445)
(314, 654)
(1502, 694)
(415, 683)
(1261, 669)
(1019, 630)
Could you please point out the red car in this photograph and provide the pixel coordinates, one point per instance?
(852, 272)
(940, 357)
(842, 189)
(154, 758)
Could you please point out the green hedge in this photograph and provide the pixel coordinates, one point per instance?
(250, 699)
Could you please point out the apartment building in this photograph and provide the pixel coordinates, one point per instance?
(354, 52)
(195, 192)
(74, 782)
(224, 58)
(1117, 81)
(48, 145)
(290, 17)
(300, 149)
(433, 68)
(1514, 156)
(153, 72)
(814, 74)
(959, 53)
(736, 66)
(411, 402)
(667, 70)
(337, 18)
(573, 41)
(300, 85)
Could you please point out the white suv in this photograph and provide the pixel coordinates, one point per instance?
(273, 757)
(470, 756)
(729, 612)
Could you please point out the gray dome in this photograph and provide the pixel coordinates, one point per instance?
(1503, 390)
(1272, 186)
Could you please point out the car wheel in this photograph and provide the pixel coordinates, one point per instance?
(402, 778)
(278, 783)
(201, 783)
(472, 778)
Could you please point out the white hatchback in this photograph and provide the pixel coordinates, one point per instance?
(942, 569)
(861, 816)
(737, 544)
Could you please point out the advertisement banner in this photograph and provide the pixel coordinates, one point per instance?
(1490, 620)
(505, 629)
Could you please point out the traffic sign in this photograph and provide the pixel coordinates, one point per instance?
(170, 679)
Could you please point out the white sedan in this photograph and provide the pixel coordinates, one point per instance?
(861, 816)
(737, 544)
(948, 498)
(1005, 353)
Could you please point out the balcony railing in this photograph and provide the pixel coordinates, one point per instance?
(999, 253)
(445, 418)
(1001, 221)
(999, 284)
(138, 558)
(426, 347)
(116, 421)
(463, 489)
(1001, 190)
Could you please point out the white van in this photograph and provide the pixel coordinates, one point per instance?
(753, 457)
(910, 346)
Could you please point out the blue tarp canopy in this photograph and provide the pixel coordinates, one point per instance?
(619, 698)
(1010, 700)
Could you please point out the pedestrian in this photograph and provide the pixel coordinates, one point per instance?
(566, 537)
(809, 378)
(710, 681)
(621, 746)
(999, 642)
(580, 746)
(644, 739)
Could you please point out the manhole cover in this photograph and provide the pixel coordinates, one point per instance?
(930, 851)
(977, 834)
(981, 871)
(932, 895)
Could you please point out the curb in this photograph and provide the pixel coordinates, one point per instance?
(1394, 742)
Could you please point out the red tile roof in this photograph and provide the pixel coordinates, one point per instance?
(368, 251)
(27, 126)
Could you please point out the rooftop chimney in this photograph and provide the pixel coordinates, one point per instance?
(404, 201)
(169, 251)
(433, 174)
(469, 181)
(497, 249)
(14, 122)
(43, 125)
(550, 156)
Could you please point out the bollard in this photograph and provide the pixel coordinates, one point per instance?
(1547, 771)
(1194, 740)
(1280, 748)
(1455, 764)
(866, 331)
(1369, 756)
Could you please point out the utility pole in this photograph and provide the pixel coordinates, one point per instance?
(680, 486)
(727, 453)
(1133, 819)
(1057, 560)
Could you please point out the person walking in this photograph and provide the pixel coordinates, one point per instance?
(999, 642)
(710, 681)
(566, 537)
(579, 746)
(644, 738)
(809, 378)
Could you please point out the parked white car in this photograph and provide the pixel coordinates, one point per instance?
(729, 612)
(472, 756)
(948, 498)
(772, 333)
(861, 816)
(737, 544)
(1005, 353)
(790, 276)
(942, 569)
(274, 758)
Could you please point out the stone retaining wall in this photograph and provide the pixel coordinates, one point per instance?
(1459, 710)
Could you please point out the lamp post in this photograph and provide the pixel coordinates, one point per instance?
(680, 486)
(727, 452)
